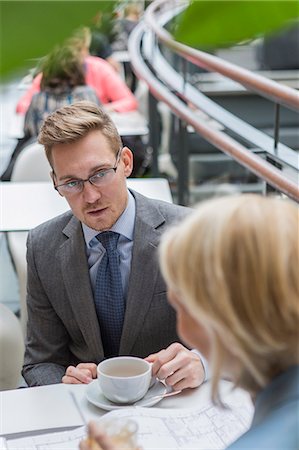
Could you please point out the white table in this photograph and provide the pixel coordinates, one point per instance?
(51, 407)
(121, 55)
(131, 123)
(25, 205)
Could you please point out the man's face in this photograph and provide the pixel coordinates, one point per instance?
(98, 207)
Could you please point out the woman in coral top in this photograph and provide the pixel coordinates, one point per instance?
(111, 90)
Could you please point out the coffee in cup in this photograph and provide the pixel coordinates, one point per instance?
(124, 379)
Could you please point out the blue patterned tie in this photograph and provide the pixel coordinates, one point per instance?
(109, 300)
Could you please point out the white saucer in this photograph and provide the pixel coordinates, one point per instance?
(95, 396)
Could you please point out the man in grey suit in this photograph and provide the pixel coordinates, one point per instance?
(65, 335)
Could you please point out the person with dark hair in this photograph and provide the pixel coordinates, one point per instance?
(110, 89)
(100, 44)
(280, 51)
(123, 29)
(62, 83)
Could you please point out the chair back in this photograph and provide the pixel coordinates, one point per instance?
(11, 349)
(32, 164)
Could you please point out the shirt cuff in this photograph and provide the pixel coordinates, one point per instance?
(204, 363)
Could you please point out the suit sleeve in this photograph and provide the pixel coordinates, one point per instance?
(47, 352)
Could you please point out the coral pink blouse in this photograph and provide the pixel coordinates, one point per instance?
(109, 87)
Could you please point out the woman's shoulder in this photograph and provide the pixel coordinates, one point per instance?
(95, 62)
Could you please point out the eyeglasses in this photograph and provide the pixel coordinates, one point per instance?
(100, 178)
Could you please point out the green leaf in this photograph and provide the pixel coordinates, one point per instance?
(30, 29)
(215, 24)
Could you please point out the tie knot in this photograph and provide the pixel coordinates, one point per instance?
(108, 239)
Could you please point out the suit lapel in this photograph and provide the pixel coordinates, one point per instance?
(144, 270)
(75, 274)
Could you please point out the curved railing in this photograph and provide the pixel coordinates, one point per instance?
(263, 86)
(150, 31)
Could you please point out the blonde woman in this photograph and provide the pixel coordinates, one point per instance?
(235, 288)
(232, 273)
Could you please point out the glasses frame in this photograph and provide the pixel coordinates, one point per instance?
(81, 182)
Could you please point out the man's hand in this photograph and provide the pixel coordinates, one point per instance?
(178, 366)
(83, 373)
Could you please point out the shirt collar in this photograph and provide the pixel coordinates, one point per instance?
(124, 224)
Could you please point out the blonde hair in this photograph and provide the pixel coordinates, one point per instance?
(80, 39)
(234, 265)
(72, 122)
(132, 9)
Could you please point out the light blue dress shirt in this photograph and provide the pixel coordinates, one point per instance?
(95, 251)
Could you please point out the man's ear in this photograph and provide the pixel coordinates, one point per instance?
(127, 158)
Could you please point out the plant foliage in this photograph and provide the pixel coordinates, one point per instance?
(30, 29)
(215, 24)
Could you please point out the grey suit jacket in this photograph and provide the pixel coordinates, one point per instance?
(62, 325)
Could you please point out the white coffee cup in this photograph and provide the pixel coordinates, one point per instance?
(124, 379)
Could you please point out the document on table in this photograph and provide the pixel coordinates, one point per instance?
(208, 427)
(37, 409)
(62, 440)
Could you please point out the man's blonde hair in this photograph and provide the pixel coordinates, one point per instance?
(72, 122)
(234, 265)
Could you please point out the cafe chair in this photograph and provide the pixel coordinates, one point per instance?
(11, 349)
(31, 165)
(16, 241)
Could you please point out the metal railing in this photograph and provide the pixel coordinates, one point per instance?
(162, 80)
(263, 86)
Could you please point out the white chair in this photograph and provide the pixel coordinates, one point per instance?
(11, 349)
(31, 165)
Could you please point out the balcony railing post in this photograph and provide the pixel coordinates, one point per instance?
(268, 188)
(183, 64)
(154, 133)
(276, 125)
(183, 164)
